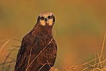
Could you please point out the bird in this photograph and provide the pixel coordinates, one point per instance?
(38, 50)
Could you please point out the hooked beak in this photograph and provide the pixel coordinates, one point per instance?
(46, 19)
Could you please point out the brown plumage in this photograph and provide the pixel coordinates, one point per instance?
(38, 48)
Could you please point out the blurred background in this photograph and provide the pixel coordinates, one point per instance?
(79, 29)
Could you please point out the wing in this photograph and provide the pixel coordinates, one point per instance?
(47, 57)
(30, 48)
(51, 53)
(24, 52)
(54, 52)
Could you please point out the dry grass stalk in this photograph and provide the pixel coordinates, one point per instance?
(8, 56)
(5, 44)
(101, 52)
(8, 60)
(100, 66)
(41, 67)
(39, 54)
(97, 66)
(29, 57)
(48, 63)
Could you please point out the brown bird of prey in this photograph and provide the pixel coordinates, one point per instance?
(38, 48)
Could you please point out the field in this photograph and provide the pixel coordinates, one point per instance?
(79, 30)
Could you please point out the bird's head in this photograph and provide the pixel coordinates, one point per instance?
(46, 19)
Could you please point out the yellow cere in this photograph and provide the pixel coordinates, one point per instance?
(50, 22)
(42, 22)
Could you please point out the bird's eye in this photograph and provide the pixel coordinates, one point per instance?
(42, 18)
(49, 17)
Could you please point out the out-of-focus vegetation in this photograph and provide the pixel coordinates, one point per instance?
(79, 28)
